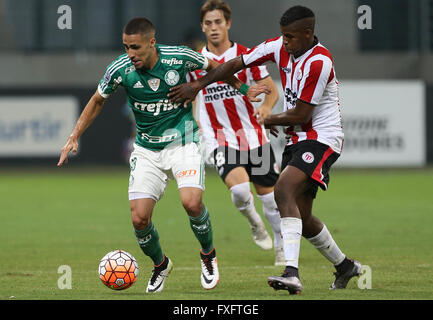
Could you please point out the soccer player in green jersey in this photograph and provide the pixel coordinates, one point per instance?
(167, 142)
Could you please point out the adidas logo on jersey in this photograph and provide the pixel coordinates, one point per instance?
(138, 85)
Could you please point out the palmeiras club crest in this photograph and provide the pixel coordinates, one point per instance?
(153, 83)
(171, 77)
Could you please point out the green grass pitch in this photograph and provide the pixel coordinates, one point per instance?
(73, 216)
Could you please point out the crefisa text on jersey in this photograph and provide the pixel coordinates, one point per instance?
(220, 309)
(155, 108)
(172, 61)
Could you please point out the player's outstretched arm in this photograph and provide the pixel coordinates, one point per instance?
(90, 112)
(250, 91)
(186, 92)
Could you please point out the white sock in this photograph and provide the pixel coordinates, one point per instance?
(243, 200)
(327, 246)
(291, 230)
(271, 212)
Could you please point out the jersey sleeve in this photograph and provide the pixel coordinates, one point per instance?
(264, 52)
(194, 60)
(111, 80)
(316, 76)
(191, 76)
(257, 73)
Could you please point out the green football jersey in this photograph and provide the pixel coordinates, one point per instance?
(159, 122)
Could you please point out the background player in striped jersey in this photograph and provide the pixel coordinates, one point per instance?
(313, 120)
(232, 132)
(166, 145)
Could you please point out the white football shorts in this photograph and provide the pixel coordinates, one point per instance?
(151, 170)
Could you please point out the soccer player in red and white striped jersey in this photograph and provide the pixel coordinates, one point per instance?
(232, 133)
(223, 107)
(314, 133)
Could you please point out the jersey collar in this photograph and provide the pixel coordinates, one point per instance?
(214, 56)
(308, 52)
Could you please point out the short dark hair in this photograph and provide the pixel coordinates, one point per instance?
(211, 5)
(139, 25)
(295, 13)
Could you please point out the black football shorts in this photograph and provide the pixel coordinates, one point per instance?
(314, 159)
(259, 163)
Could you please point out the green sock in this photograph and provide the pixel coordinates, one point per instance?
(202, 229)
(148, 240)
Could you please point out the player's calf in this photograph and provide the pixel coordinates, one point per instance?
(244, 201)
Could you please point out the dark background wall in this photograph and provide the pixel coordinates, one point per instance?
(102, 143)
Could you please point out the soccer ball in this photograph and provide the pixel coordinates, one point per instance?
(118, 270)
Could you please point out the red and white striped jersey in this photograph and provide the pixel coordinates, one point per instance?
(226, 115)
(311, 78)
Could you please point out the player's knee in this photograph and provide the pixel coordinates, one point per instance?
(241, 195)
(140, 223)
(140, 220)
(278, 193)
(193, 206)
(282, 194)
